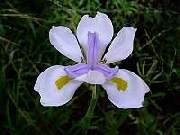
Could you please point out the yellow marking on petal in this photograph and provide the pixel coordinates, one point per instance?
(121, 84)
(63, 80)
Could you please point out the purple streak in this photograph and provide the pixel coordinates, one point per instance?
(107, 71)
(77, 70)
(92, 58)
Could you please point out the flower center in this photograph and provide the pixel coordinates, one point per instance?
(92, 61)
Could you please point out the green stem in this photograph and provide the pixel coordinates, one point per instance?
(86, 120)
(93, 102)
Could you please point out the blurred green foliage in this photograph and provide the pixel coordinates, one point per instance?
(25, 51)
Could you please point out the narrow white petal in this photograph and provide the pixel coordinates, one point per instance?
(133, 96)
(50, 94)
(100, 24)
(122, 45)
(92, 77)
(65, 42)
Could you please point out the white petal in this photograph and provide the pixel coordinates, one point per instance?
(65, 42)
(133, 96)
(92, 77)
(122, 45)
(100, 24)
(50, 95)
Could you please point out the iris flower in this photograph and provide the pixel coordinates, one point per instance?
(57, 84)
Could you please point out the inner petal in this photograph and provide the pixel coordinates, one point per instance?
(93, 49)
(92, 77)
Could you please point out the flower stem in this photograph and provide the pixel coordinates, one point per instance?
(93, 102)
(86, 120)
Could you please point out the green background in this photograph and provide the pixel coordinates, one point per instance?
(25, 51)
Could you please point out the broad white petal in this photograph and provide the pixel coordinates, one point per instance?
(50, 95)
(101, 25)
(65, 42)
(122, 45)
(133, 96)
(92, 77)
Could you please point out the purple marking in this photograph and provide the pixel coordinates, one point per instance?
(77, 69)
(107, 71)
(92, 58)
(92, 61)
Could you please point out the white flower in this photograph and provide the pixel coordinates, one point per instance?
(57, 84)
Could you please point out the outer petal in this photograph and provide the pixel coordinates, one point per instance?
(50, 95)
(65, 42)
(92, 77)
(122, 45)
(133, 97)
(101, 25)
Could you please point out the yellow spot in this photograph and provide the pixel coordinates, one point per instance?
(121, 84)
(63, 80)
